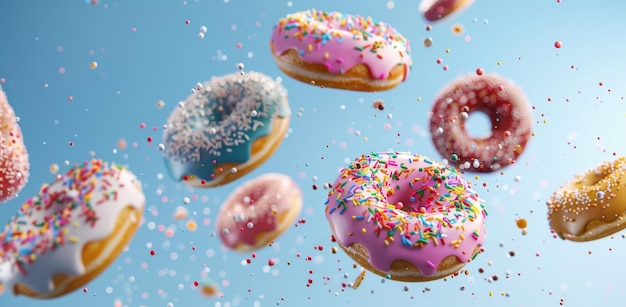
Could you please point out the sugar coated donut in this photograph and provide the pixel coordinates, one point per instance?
(434, 10)
(592, 205)
(258, 212)
(340, 51)
(406, 217)
(504, 104)
(226, 129)
(71, 231)
(13, 155)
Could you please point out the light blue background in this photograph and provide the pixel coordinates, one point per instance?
(164, 58)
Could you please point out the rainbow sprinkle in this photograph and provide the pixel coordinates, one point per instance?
(414, 221)
(25, 237)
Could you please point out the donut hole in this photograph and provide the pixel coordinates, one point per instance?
(406, 201)
(252, 196)
(219, 114)
(227, 103)
(478, 125)
(594, 178)
(407, 206)
(231, 110)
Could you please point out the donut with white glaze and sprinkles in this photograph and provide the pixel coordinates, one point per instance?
(71, 231)
(406, 217)
(331, 49)
(509, 114)
(226, 129)
(258, 212)
(592, 205)
(14, 163)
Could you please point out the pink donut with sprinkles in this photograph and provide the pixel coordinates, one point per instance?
(406, 217)
(435, 10)
(13, 155)
(258, 212)
(70, 232)
(504, 104)
(340, 51)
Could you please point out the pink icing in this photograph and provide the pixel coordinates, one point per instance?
(404, 206)
(342, 41)
(434, 10)
(14, 166)
(255, 207)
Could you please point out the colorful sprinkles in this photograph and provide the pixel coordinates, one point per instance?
(409, 203)
(29, 233)
(416, 227)
(340, 41)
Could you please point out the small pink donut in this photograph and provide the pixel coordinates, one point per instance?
(435, 10)
(13, 155)
(258, 212)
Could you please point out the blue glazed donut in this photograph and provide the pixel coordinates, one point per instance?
(230, 126)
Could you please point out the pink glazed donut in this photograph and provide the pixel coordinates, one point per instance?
(406, 217)
(332, 49)
(14, 164)
(435, 10)
(258, 212)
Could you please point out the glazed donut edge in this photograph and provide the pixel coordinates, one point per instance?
(591, 205)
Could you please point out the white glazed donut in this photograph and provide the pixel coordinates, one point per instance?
(71, 231)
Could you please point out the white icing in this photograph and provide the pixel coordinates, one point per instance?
(67, 258)
(6, 272)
